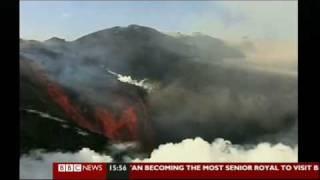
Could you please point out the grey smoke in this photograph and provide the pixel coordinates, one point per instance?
(229, 102)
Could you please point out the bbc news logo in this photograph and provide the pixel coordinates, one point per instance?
(79, 167)
(76, 170)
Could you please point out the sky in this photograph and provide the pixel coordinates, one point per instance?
(230, 20)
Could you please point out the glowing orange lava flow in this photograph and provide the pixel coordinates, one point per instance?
(73, 111)
(124, 128)
(59, 97)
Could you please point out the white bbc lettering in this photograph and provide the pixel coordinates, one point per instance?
(77, 167)
(61, 167)
(69, 167)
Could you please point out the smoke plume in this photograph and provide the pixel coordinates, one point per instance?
(200, 92)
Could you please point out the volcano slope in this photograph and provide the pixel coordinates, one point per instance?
(194, 93)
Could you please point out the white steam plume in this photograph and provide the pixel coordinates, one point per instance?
(127, 79)
(220, 150)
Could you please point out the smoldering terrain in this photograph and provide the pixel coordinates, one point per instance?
(194, 92)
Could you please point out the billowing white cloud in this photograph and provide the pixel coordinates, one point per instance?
(38, 165)
(220, 150)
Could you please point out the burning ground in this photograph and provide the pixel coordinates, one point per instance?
(137, 85)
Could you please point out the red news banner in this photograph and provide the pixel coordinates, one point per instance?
(185, 170)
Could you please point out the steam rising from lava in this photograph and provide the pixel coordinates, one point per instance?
(127, 79)
(118, 125)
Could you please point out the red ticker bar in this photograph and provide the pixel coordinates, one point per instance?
(75, 170)
(224, 170)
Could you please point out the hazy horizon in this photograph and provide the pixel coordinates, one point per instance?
(229, 20)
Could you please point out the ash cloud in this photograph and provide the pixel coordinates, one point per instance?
(218, 101)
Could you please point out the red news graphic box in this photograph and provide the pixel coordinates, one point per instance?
(73, 170)
(185, 170)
